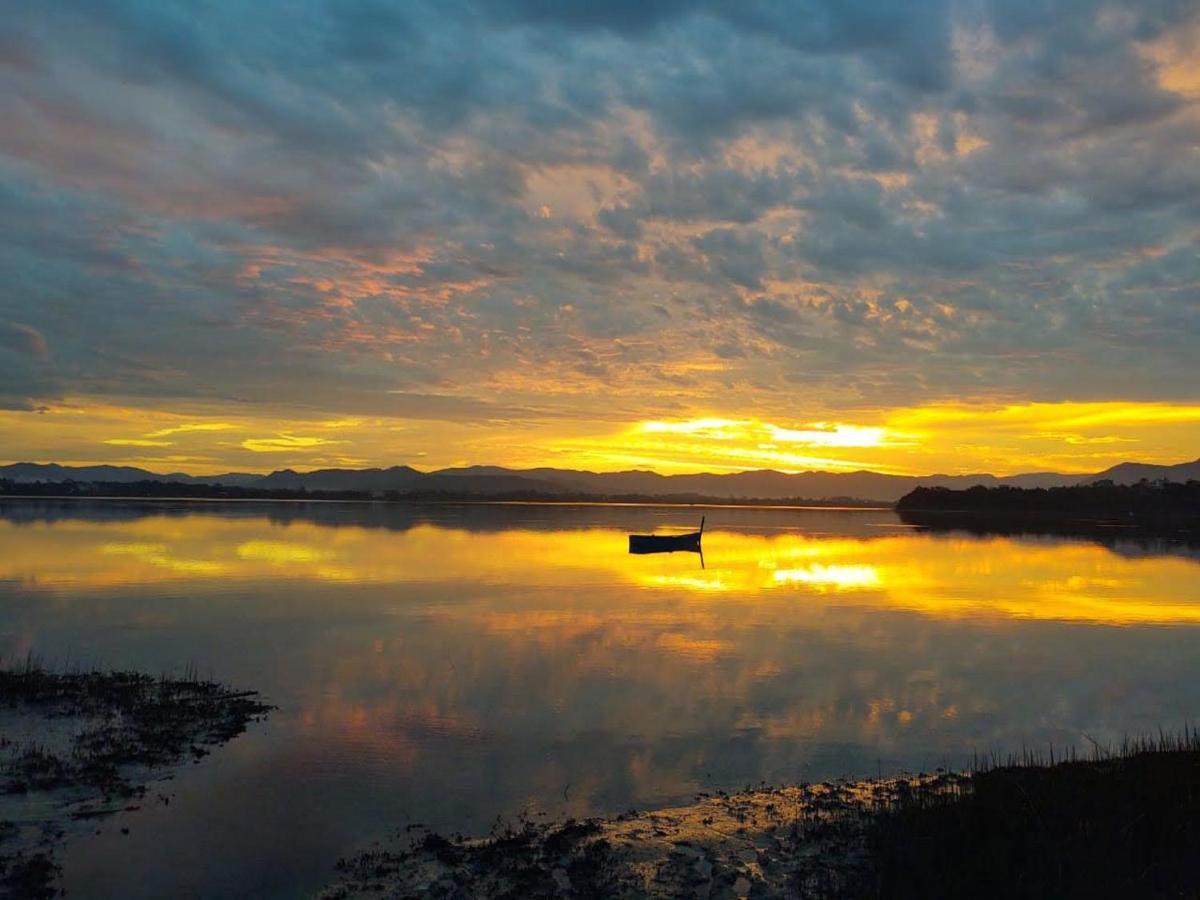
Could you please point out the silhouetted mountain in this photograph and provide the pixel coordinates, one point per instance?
(763, 483)
(30, 473)
(403, 479)
(484, 481)
(1132, 473)
(396, 478)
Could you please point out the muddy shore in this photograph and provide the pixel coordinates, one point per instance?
(796, 841)
(1123, 822)
(78, 747)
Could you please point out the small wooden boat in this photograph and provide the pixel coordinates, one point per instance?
(666, 543)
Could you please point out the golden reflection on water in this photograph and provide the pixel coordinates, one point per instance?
(551, 656)
(948, 577)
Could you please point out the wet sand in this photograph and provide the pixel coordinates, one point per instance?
(1121, 822)
(803, 840)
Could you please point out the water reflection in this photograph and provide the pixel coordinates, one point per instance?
(948, 575)
(448, 664)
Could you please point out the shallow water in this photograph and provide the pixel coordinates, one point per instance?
(449, 664)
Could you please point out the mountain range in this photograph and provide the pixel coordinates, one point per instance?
(483, 481)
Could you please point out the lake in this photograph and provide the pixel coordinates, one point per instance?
(453, 664)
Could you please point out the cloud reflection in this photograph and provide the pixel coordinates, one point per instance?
(945, 577)
(457, 662)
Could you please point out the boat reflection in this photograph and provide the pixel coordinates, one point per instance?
(948, 576)
(668, 543)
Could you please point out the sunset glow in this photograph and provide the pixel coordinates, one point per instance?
(511, 413)
(925, 253)
(1065, 437)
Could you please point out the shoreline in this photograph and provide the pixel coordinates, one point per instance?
(78, 747)
(798, 840)
(866, 506)
(1122, 822)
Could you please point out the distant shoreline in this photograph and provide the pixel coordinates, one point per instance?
(757, 487)
(1105, 508)
(865, 506)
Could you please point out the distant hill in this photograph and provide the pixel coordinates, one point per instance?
(30, 473)
(764, 483)
(406, 478)
(1132, 473)
(483, 481)
(395, 478)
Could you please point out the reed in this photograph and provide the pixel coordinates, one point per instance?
(108, 731)
(1119, 820)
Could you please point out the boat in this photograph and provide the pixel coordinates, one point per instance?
(666, 543)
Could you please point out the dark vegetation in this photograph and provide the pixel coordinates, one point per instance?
(119, 727)
(527, 860)
(1120, 824)
(182, 490)
(132, 719)
(166, 490)
(1100, 499)
(1147, 506)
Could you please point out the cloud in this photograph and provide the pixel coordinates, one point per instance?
(191, 427)
(287, 443)
(26, 373)
(655, 205)
(736, 257)
(22, 339)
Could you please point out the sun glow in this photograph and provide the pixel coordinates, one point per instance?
(720, 444)
(831, 577)
(949, 438)
(836, 435)
(818, 434)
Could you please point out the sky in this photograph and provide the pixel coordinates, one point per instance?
(910, 236)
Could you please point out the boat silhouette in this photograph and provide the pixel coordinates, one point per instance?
(666, 543)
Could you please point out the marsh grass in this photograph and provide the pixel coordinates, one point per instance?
(92, 740)
(1119, 821)
(124, 719)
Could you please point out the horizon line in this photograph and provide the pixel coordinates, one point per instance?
(595, 472)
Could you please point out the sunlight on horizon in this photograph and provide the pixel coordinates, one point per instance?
(1078, 438)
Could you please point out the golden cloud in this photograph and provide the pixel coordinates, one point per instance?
(283, 443)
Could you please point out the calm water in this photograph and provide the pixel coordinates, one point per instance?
(446, 665)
